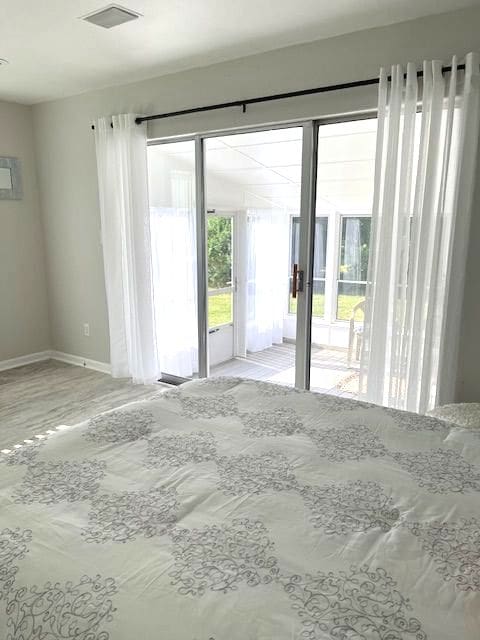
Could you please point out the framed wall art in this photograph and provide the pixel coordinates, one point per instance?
(10, 179)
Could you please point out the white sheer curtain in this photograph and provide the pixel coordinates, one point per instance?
(123, 192)
(425, 166)
(175, 277)
(267, 276)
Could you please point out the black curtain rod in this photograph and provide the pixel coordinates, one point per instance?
(277, 96)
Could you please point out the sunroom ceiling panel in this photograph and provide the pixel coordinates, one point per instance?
(275, 154)
(293, 173)
(359, 146)
(351, 170)
(251, 177)
(222, 159)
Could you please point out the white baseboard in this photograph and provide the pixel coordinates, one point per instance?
(103, 367)
(21, 360)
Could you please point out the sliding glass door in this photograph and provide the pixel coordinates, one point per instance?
(260, 245)
(252, 200)
(343, 207)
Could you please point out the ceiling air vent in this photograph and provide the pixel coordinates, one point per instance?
(111, 16)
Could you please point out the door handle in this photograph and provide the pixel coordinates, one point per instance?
(297, 280)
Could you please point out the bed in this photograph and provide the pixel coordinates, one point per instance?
(229, 509)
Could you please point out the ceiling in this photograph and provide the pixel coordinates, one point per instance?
(263, 169)
(54, 54)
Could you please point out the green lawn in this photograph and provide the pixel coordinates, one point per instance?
(220, 307)
(346, 303)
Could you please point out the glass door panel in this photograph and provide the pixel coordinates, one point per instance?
(344, 198)
(174, 258)
(253, 183)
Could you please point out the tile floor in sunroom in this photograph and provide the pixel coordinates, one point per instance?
(330, 370)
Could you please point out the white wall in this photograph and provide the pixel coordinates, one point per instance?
(23, 293)
(66, 157)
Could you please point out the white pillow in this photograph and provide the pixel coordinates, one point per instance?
(466, 414)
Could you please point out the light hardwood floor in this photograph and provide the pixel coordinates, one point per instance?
(41, 396)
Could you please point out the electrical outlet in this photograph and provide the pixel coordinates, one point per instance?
(86, 330)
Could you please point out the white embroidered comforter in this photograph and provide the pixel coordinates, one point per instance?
(236, 510)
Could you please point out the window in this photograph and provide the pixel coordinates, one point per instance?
(319, 269)
(353, 265)
(353, 244)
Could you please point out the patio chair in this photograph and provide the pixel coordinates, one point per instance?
(355, 335)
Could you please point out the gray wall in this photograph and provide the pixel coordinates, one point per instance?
(66, 154)
(23, 294)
